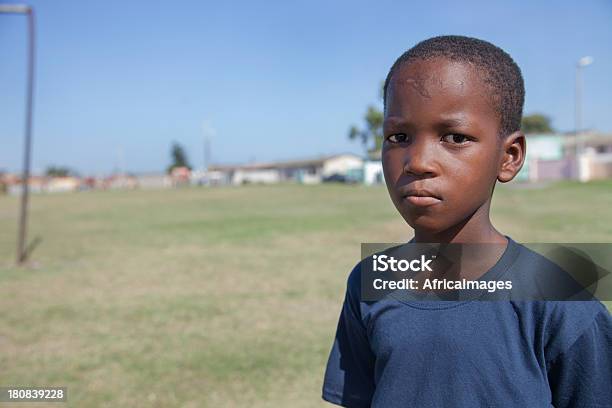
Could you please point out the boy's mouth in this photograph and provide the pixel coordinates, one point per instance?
(420, 197)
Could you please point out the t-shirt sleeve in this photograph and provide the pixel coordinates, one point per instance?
(581, 376)
(349, 377)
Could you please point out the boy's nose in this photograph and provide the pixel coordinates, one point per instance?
(420, 159)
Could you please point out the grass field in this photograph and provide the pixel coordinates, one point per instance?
(222, 297)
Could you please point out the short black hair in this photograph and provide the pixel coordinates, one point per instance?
(501, 73)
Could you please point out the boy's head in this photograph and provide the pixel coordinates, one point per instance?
(497, 69)
(453, 109)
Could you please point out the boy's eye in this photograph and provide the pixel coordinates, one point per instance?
(456, 138)
(398, 138)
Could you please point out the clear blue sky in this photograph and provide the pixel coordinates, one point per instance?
(118, 81)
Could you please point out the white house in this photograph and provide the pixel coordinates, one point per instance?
(372, 169)
(373, 172)
(302, 171)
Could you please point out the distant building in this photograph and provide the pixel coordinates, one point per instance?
(7, 180)
(300, 171)
(119, 182)
(217, 178)
(180, 176)
(149, 181)
(547, 159)
(61, 184)
(209, 178)
(595, 162)
(372, 169)
(565, 156)
(42, 184)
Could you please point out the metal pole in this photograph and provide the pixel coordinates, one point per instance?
(206, 153)
(582, 62)
(23, 215)
(577, 122)
(578, 112)
(27, 155)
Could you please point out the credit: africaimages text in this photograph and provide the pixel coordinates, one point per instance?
(383, 263)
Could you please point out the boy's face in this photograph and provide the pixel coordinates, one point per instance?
(441, 154)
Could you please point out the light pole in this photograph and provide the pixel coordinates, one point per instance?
(23, 214)
(582, 62)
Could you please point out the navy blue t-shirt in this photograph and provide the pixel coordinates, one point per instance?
(405, 353)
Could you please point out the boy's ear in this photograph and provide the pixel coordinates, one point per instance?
(513, 156)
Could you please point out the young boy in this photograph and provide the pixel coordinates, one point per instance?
(453, 108)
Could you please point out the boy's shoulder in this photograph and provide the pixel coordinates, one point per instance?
(353, 283)
(555, 272)
(560, 326)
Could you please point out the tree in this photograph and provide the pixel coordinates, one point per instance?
(58, 171)
(536, 123)
(178, 156)
(373, 131)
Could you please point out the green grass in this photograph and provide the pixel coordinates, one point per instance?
(216, 297)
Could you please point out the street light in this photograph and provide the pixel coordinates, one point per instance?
(582, 62)
(23, 215)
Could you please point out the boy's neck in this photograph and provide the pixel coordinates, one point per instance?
(475, 229)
